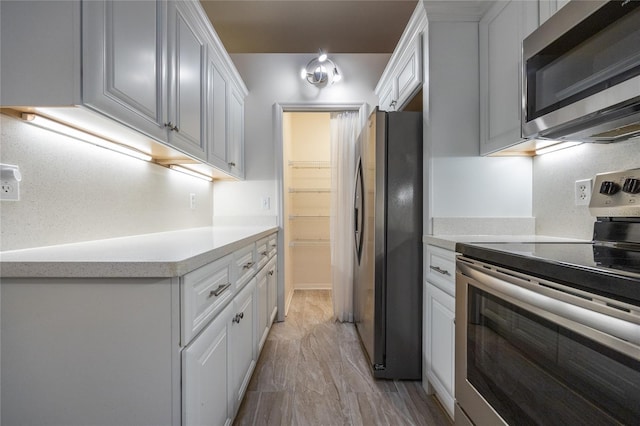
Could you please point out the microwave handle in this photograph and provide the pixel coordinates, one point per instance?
(616, 333)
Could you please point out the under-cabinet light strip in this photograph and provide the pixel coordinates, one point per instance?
(556, 147)
(66, 130)
(190, 172)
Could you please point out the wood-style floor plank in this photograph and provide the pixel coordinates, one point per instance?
(312, 371)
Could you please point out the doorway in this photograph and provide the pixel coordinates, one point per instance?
(306, 195)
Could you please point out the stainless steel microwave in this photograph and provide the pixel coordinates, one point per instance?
(581, 72)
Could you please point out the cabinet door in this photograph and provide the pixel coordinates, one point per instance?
(387, 97)
(409, 78)
(262, 314)
(187, 52)
(272, 284)
(549, 7)
(205, 379)
(242, 343)
(440, 344)
(123, 60)
(236, 133)
(502, 30)
(217, 116)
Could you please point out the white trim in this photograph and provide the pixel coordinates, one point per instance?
(279, 108)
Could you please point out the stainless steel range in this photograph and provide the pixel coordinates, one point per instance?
(549, 333)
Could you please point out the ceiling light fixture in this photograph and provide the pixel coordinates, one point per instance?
(188, 171)
(81, 135)
(321, 71)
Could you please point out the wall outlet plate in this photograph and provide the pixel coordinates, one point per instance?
(583, 192)
(10, 190)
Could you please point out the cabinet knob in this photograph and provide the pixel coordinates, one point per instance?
(264, 253)
(271, 272)
(172, 126)
(232, 164)
(247, 265)
(236, 319)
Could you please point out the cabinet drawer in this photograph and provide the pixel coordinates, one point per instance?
(204, 292)
(440, 268)
(244, 265)
(272, 245)
(262, 252)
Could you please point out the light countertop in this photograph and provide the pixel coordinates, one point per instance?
(448, 242)
(163, 254)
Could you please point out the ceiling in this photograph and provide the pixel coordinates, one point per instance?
(304, 26)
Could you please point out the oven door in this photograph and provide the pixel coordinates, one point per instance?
(534, 352)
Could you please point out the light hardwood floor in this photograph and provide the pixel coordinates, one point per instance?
(312, 371)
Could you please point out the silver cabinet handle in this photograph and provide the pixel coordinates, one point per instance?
(247, 265)
(219, 290)
(231, 164)
(172, 126)
(438, 270)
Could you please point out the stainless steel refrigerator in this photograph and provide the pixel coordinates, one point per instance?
(388, 244)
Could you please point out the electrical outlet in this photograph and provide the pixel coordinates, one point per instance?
(10, 191)
(266, 203)
(583, 192)
(192, 201)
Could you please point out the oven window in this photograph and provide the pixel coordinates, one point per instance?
(600, 52)
(534, 372)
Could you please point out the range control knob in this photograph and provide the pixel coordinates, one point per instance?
(631, 185)
(609, 188)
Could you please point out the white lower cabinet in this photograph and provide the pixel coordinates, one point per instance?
(439, 325)
(146, 351)
(440, 347)
(272, 288)
(262, 313)
(205, 379)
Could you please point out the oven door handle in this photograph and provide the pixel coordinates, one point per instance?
(616, 333)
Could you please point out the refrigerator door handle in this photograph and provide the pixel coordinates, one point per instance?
(358, 210)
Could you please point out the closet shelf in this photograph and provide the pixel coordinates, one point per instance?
(308, 216)
(310, 164)
(302, 243)
(309, 190)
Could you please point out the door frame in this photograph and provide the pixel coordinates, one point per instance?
(279, 108)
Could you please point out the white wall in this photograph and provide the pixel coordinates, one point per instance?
(273, 78)
(463, 184)
(72, 191)
(554, 180)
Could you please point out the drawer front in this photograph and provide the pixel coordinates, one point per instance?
(205, 291)
(262, 252)
(440, 268)
(244, 264)
(272, 245)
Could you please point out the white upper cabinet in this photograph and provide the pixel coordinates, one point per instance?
(217, 117)
(119, 37)
(402, 78)
(502, 30)
(140, 66)
(187, 80)
(235, 131)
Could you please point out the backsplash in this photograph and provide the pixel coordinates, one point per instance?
(554, 176)
(72, 191)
